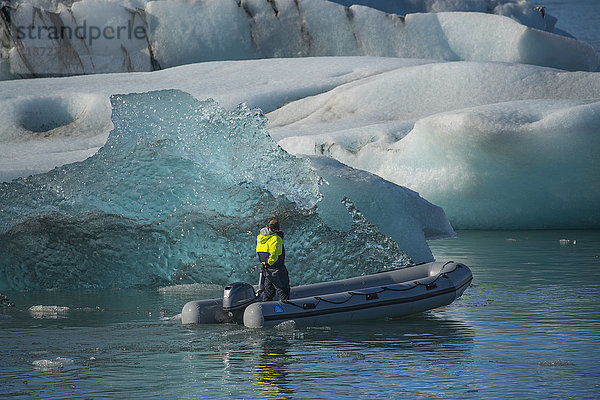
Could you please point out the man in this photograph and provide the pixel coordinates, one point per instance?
(271, 253)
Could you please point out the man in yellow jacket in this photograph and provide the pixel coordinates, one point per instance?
(271, 253)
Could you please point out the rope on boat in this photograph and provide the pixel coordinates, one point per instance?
(373, 295)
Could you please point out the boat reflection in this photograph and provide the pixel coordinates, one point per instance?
(271, 370)
(430, 336)
(430, 328)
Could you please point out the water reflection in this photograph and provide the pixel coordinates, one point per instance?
(325, 360)
(429, 329)
(272, 369)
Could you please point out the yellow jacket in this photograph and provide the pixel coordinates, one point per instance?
(270, 244)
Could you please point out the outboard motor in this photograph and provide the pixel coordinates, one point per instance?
(236, 297)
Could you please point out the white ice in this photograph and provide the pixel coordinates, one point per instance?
(51, 364)
(494, 144)
(52, 121)
(51, 312)
(181, 32)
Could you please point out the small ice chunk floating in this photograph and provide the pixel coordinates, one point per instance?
(387, 294)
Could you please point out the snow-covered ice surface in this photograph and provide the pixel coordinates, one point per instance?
(49, 122)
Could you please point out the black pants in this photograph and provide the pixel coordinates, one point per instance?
(276, 280)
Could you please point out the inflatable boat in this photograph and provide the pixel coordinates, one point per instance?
(387, 294)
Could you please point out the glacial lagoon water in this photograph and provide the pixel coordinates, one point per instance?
(528, 327)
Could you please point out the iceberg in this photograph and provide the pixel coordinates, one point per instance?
(175, 194)
(368, 113)
(496, 146)
(415, 220)
(522, 11)
(100, 36)
(52, 38)
(540, 157)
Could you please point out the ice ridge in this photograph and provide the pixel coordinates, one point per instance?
(164, 34)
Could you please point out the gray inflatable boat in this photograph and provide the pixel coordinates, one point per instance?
(385, 294)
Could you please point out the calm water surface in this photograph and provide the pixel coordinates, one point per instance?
(529, 327)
